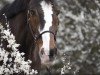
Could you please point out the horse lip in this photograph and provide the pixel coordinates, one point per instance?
(46, 61)
(45, 65)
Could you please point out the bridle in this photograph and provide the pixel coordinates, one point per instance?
(36, 37)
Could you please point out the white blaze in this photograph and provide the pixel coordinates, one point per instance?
(47, 10)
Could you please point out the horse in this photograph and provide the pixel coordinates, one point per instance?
(34, 23)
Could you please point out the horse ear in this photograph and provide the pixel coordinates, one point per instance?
(58, 11)
(56, 8)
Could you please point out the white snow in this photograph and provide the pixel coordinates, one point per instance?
(19, 64)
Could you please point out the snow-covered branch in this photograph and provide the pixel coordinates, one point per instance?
(12, 61)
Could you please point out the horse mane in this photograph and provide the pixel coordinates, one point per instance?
(18, 6)
(13, 9)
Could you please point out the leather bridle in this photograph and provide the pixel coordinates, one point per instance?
(36, 37)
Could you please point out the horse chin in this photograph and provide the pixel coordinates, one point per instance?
(46, 62)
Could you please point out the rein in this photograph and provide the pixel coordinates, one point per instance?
(36, 37)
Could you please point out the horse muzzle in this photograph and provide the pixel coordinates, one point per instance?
(47, 61)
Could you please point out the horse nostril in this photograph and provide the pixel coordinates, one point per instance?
(42, 51)
(53, 52)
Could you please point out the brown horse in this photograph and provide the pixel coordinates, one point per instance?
(34, 24)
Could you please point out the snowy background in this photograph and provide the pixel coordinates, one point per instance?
(78, 36)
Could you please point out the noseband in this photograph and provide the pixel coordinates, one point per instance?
(44, 33)
(36, 37)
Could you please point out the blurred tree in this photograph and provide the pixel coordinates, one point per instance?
(4, 2)
(79, 33)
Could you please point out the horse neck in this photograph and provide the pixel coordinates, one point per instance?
(20, 29)
(18, 25)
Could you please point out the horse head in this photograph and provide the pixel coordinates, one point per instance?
(42, 17)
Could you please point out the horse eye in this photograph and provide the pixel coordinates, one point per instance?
(32, 12)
